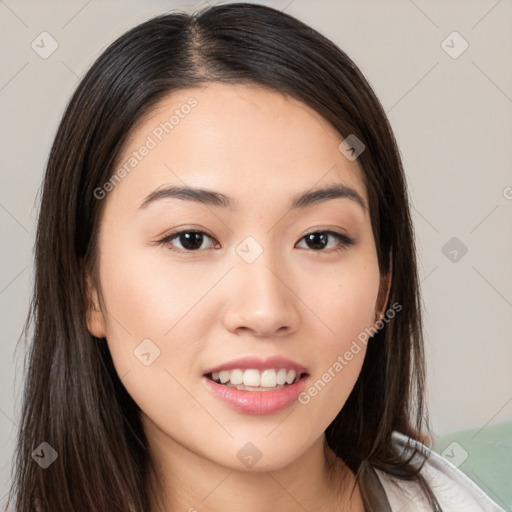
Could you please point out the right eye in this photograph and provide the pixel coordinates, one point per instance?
(189, 240)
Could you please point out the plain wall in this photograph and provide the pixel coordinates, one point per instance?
(453, 121)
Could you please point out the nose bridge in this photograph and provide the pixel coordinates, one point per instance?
(260, 300)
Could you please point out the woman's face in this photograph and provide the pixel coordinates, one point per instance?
(266, 285)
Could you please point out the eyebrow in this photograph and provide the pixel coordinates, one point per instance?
(210, 197)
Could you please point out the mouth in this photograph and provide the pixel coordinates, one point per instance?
(252, 379)
(257, 385)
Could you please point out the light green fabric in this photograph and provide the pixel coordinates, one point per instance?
(485, 456)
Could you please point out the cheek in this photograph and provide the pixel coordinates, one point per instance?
(149, 334)
(157, 314)
(342, 297)
(148, 294)
(344, 300)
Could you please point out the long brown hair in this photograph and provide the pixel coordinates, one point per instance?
(73, 398)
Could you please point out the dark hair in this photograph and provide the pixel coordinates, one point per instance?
(73, 397)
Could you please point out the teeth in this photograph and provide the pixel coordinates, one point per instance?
(236, 377)
(281, 376)
(268, 379)
(251, 378)
(254, 378)
(290, 376)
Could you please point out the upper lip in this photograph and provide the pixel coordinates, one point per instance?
(259, 363)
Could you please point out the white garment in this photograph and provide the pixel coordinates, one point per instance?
(452, 488)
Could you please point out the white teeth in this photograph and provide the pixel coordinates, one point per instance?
(268, 379)
(255, 379)
(281, 376)
(290, 376)
(237, 377)
(251, 378)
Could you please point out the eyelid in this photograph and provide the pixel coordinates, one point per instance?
(328, 229)
(185, 229)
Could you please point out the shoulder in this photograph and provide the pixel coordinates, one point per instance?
(452, 488)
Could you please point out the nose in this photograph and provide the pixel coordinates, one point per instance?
(261, 300)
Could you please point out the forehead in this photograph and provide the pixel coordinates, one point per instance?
(243, 140)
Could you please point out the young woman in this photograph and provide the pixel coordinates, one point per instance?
(226, 309)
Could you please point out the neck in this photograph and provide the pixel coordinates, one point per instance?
(316, 481)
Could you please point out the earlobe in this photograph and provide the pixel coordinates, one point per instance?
(95, 319)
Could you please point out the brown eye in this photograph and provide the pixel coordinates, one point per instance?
(186, 241)
(319, 240)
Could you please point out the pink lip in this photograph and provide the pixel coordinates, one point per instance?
(257, 402)
(251, 362)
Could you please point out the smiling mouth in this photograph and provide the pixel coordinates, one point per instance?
(255, 380)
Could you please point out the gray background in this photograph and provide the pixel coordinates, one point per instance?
(453, 121)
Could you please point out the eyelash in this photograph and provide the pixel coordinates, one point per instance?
(344, 241)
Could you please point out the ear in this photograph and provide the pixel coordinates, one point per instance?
(95, 318)
(383, 296)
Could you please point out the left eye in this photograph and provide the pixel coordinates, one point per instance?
(319, 240)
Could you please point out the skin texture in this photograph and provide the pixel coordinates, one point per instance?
(206, 307)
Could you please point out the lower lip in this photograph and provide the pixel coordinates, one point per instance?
(257, 402)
